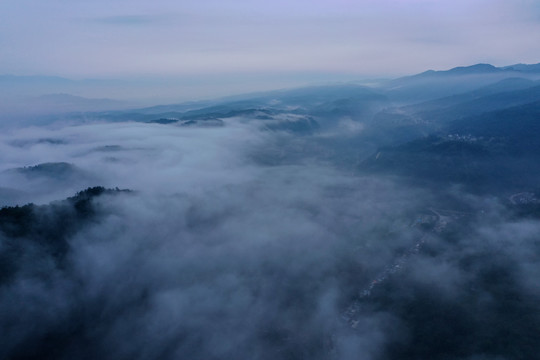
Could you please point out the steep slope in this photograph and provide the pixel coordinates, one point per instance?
(45, 229)
(496, 151)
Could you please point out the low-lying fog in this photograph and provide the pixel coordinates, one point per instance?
(215, 255)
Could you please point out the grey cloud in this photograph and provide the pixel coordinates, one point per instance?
(134, 20)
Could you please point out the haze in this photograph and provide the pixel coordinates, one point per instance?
(197, 49)
(384, 212)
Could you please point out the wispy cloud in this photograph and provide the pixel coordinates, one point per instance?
(132, 20)
(378, 38)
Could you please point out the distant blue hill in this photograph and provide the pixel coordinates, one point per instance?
(67, 102)
(481, 69)
(431, 84)
(463, 70)
(533, 68)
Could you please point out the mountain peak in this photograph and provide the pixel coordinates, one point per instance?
(528, 68)
(474, 69)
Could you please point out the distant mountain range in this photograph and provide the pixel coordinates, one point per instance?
(67, 102)
(483, 69)
(51, 93)
(474, 125)
(436, 84)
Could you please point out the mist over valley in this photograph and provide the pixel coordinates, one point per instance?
(397, 220)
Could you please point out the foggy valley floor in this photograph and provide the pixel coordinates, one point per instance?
(397, 221)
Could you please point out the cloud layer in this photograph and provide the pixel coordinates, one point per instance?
(217, 256)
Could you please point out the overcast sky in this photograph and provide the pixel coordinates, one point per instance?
(123, 38)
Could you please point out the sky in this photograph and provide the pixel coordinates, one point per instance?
(257, 41)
